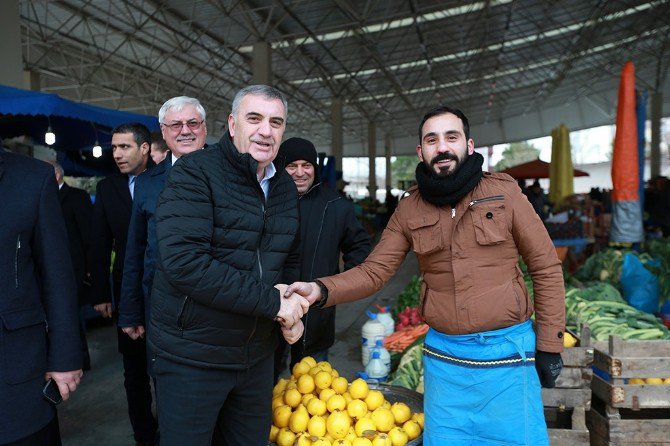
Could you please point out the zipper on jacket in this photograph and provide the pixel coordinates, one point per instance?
(485, 199)
(16, 262)
(180, 317)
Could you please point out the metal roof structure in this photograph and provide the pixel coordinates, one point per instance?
(517, 68)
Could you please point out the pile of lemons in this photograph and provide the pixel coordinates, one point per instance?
(317, 407)
(652, 381)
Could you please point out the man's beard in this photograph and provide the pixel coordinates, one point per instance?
(446, 156)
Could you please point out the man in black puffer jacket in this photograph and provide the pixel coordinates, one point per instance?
(328, 227)
(227, 225)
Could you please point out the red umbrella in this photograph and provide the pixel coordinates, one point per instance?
(534, 169)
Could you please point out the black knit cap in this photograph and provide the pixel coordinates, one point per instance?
(294, 149)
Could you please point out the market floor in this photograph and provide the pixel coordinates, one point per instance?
(97, 413)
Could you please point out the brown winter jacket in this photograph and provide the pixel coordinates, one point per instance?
(468, 258)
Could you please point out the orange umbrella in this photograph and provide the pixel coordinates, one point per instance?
(534, 169)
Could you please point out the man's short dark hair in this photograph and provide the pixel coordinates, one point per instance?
(139, 131)
(158, 142)
(443, 110)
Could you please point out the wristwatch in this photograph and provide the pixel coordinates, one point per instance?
(324, 295)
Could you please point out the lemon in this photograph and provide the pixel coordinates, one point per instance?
(401, 412)
(303, 439)
(274, 430)
(382, 440)
(325, 394)
(285, 437)
(305, 384)
(358, 389)
(339, 385)
(323, 380)
(298, 420)
(316, 406)
(277, 401)
(347, 396)
(569, 340)
(654, 381)
(357, 409)
(291, 384)
(306, 398)
(281, 415)
(279, 387)
(361, 441)
(335, 373)
(666, 381)
(412, 428)
(325, 365)
(383, 419)
(338, 423)
(336, 402)
(636, 381)
(292, 397)
(418, 417)
(398, 436)
(374, 399)
(311, 362)
(386, 405)
(316, 426)
(322, 441)
(351, 435)
(365, 425)
(300, 368)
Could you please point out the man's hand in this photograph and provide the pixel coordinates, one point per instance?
(105, 309)
(67, 381)
(309, 290)
(548, 366)
(135, 332)
(293, 333)
(291, 309)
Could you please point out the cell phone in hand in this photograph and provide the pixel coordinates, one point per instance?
(51, 392)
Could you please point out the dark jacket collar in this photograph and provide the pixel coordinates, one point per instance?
(244, 162)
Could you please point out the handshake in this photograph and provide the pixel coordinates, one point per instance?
(294, 303)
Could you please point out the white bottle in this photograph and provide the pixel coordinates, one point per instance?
(376, 370)
(371, 331)
(387, 320)
(384, 354)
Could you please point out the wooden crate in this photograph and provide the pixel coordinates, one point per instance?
(566, 427)
(610, 426)
(567, 403)
(623, 360)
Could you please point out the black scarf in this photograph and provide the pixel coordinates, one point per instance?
(439, 190)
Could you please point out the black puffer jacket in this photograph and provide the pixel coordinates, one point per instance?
(222, 247)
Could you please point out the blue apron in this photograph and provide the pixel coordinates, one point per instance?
(482, 389)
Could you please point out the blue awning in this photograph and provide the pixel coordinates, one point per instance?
(77, 126)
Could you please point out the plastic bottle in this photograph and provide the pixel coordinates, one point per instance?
(371, 331)
(384, 354)
(376, 370)
(386, 319)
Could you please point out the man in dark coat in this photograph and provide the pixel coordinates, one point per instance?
(226, 225)
(111, 216)
(184, 131)
(37, 290)
(77, 211)
(328, 227)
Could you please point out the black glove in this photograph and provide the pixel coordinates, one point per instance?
(548, 366)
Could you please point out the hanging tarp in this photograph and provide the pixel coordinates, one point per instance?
(626, 212)
(561, 172)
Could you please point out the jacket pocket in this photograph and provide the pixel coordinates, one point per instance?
(489, 220)
(23, 343)
(426, 233)
(183, 313)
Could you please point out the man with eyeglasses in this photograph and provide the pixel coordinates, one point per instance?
(183, 127)
(226, 229)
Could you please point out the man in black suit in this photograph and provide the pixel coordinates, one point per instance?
(37, 290)
(111, 216)
(77, 211)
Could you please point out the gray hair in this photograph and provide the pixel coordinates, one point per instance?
(178, 103)
(58, 168)
(266, 91)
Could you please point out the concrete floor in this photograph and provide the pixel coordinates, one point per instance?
(97, 415)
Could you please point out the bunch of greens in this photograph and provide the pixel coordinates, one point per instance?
(409, 297)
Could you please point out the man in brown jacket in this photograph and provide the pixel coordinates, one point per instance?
(468, 228)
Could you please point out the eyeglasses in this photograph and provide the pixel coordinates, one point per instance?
(177, 126)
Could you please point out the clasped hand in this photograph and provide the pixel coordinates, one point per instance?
(292, 308)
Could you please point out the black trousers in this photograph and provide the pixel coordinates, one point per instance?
(203, 406)
(49, 435)
(138, 388)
